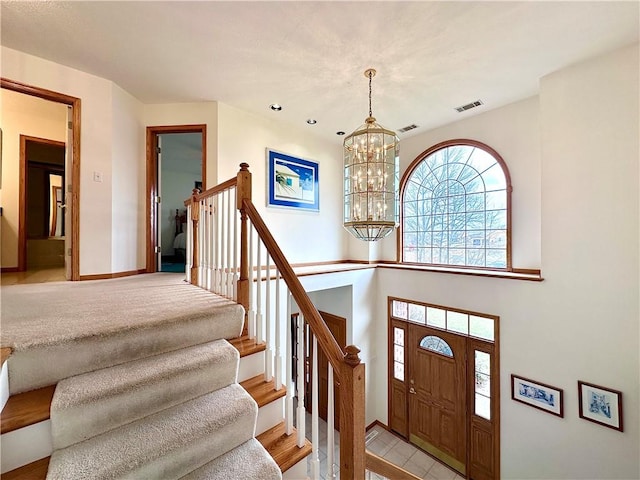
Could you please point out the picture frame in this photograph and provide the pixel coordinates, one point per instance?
(292, 182)
(600, 405)
(538, 395)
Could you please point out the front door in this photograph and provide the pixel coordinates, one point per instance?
(437, 394)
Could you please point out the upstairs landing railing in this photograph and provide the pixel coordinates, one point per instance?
(231, 252)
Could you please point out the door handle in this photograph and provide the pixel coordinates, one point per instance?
(412, 391)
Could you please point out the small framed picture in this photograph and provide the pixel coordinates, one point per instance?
(537, 395)
(292, 182)
(600, 405)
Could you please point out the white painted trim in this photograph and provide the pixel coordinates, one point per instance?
(25, 445)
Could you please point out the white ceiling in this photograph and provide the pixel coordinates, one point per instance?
(310, 56)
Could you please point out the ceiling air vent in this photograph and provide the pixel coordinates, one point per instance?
(468, 106)
(408, 127)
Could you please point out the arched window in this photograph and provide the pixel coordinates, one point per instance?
(456, 201)
(436, 344)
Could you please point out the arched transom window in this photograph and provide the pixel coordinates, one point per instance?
(456, 200)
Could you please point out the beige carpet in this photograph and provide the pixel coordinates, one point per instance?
(95, 324)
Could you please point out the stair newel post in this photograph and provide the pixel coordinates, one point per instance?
(352, 410)
(195, 219)
(243, 192)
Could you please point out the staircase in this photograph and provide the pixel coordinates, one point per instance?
(165, 411)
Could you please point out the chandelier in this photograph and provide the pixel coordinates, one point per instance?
(371, 173)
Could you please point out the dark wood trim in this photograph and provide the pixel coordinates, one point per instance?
(105, 276)
(387, 469)
(9, 269)
(377, 422)
(448, 143)
(28, 408)
(32, 471)
(22, 194)
(5, 352)
(75, 104)
(152, 181)
(489, 273)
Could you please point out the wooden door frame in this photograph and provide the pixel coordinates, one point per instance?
(152, 181)
(470, 342)
(75, 103)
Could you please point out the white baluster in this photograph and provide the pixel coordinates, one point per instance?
(201, 232)
(252, 311)
(300, 423)
(229, 241)
(223, 243)
(211, 243)
(288, 407)
(315, 460)
(268, 358)
(279, 320)
(205, 248)
(259, 332)
(331, 473)
(187, 253)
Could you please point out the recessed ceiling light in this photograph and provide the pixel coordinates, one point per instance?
(311, 121)
(340, 133)
(276, 107)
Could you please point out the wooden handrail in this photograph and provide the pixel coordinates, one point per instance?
(387, 469)
(226, 185)
(327, 342)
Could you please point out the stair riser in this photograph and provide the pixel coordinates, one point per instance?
(270, 415)
(250, 366)
(297, 472)
(25, 445)
(4, 385)
(27, 371)
(214, 367)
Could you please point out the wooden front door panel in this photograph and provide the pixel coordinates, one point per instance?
(437, 396)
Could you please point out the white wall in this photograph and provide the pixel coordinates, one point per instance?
(303, 236)
(97, 144)
(514, 132)
(128, 247)
(22, 115)
(206, 113)
(359, 308)
(582, 321)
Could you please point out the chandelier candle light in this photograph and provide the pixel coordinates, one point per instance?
(371, 177)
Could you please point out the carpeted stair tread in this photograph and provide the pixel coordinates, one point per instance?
(167, 444)
(249, 461)
(89, 404)
(130, 318)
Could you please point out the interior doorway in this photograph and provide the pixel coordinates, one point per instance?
(71, 192)
(42, 181)
(176, 164)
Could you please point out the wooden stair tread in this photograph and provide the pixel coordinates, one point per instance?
(28, 408)
(5, 352)
(263, 392)
(282, 447)
(32, 471)
(247, 346)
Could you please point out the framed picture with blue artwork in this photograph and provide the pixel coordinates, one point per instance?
(537, 395)
(600, 405)
(292, 182)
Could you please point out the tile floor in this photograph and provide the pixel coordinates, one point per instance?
(388, 446)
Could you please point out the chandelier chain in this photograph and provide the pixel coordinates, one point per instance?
(370, 77)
